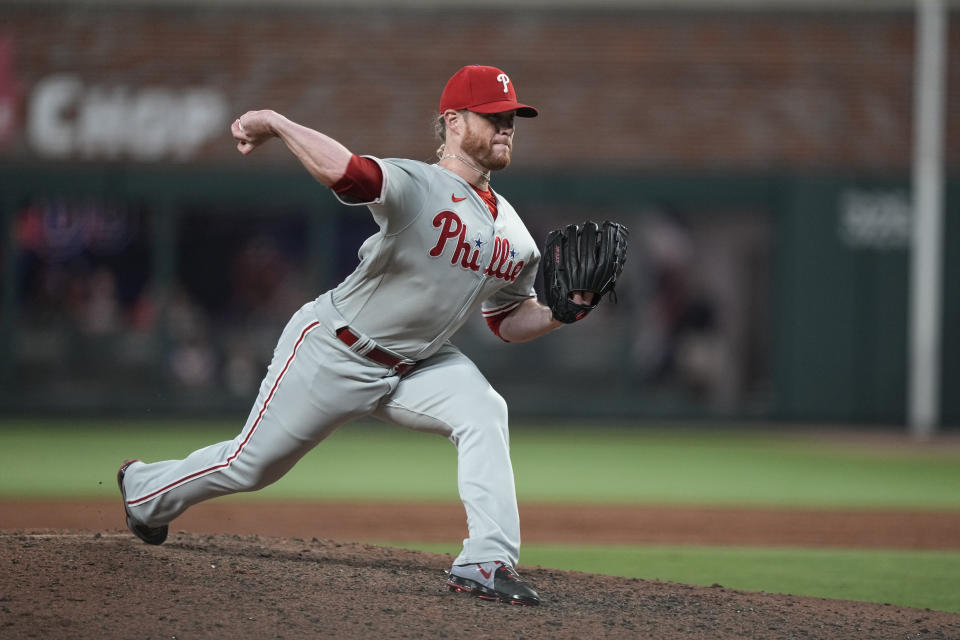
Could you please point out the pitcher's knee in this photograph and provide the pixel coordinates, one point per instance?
(254, 479)
(493, 408)
(489, 416)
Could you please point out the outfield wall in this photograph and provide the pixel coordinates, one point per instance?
(762, 160)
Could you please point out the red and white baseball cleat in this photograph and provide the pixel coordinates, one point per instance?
(492, 581)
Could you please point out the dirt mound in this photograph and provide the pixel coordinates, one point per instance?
(109, 585)
(542, 524)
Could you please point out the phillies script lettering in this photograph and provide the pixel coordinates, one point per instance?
(466, 255)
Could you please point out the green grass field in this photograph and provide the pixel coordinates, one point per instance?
(577, 464)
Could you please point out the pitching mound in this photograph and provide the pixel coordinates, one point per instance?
(109, 585)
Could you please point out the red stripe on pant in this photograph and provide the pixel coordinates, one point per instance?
(256, 422)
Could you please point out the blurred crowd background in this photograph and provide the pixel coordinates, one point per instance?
(759, 152)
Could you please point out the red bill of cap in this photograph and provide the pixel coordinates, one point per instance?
(483, 90)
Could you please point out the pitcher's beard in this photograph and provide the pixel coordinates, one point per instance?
(481, 151)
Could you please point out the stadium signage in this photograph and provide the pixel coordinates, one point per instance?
(70, 119)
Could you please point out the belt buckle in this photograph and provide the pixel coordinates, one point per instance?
(401, 368)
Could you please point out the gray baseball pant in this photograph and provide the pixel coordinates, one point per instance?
(316, 383)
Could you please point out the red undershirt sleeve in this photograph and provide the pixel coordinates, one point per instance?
(494, 323)
(496, 316)
(362, 181)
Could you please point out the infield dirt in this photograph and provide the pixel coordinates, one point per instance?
(68, 571)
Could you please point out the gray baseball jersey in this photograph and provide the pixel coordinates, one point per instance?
(438, 257)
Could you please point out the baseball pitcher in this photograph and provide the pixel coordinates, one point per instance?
(378, 344)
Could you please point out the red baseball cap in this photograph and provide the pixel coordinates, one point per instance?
(483, 90)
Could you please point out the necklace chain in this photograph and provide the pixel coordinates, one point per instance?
(456, 156)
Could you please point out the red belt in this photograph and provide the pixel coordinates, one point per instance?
(376, 354)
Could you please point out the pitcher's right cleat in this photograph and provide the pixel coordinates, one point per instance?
(492, 581)
(150, 535)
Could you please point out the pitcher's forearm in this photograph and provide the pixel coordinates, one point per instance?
(325, 158)
(528, 321)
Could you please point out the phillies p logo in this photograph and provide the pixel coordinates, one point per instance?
(504, 79)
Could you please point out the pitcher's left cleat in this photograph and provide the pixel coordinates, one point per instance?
(150, 535)
(492, 581)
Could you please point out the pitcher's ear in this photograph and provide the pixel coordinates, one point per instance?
(453, 120)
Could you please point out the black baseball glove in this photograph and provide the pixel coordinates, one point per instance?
(582, 257)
